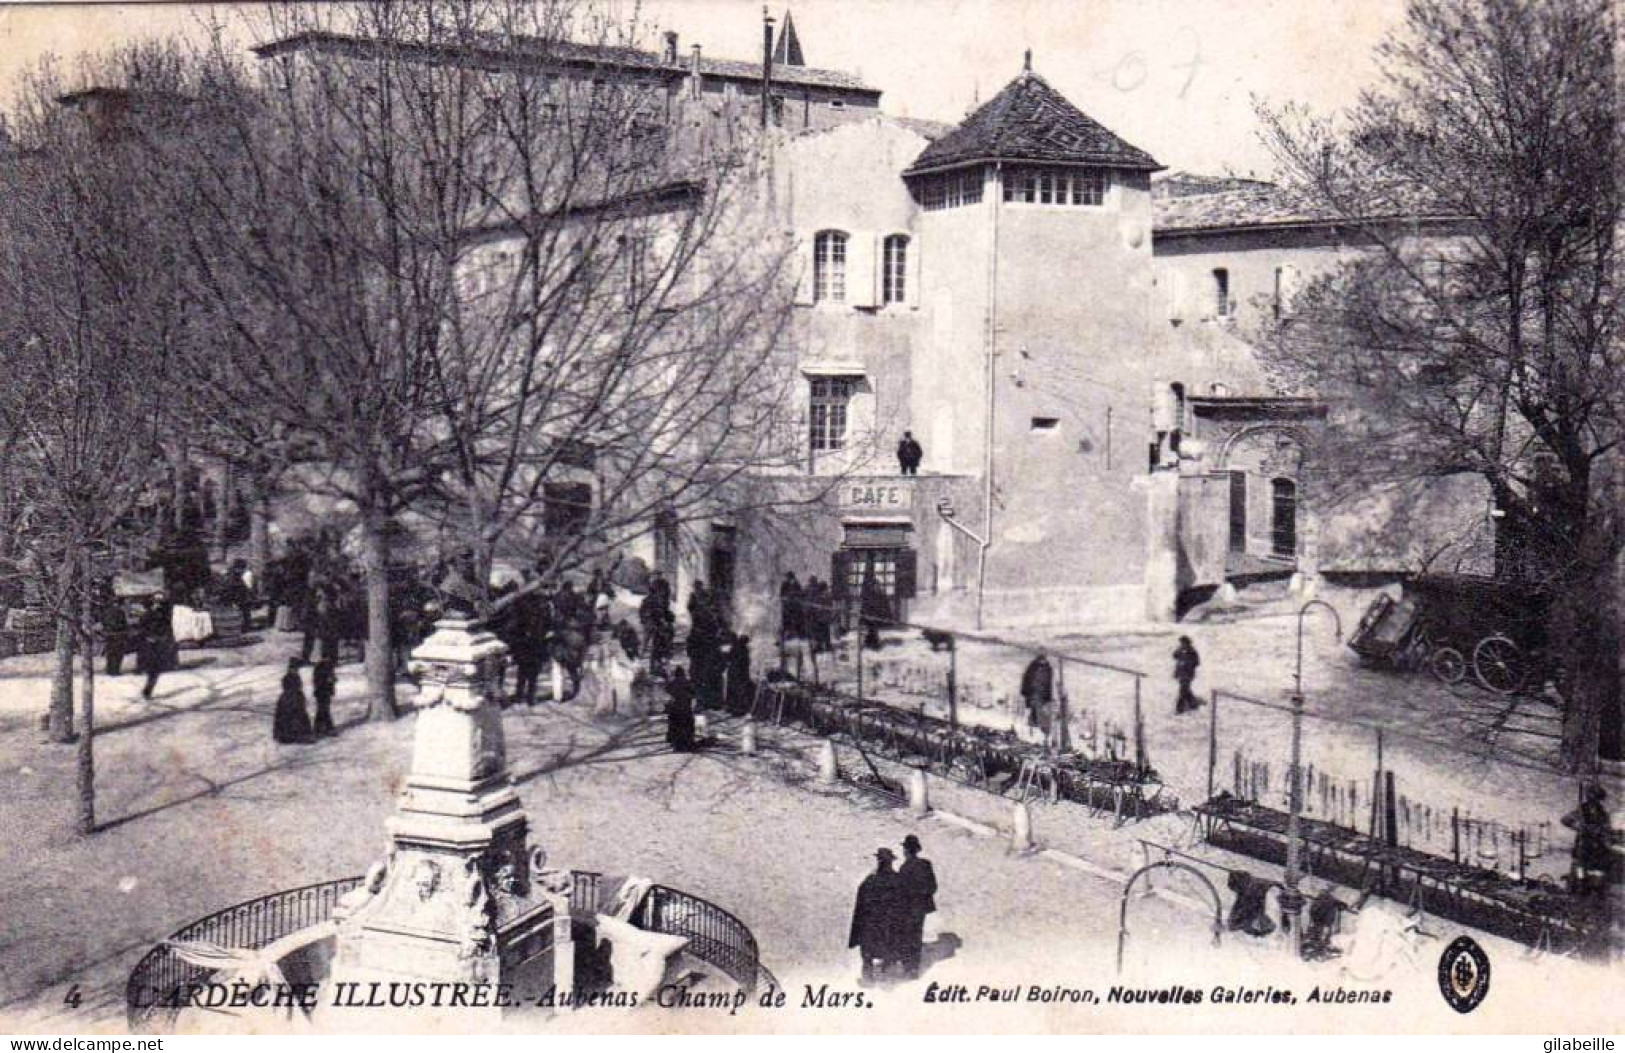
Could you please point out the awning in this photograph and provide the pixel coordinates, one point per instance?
(876, 535)
(830, 368)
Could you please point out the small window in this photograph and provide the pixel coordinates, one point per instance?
(829, 399)
(1046, 423)
(1286, 290)
(1222, 305)
(829, 267)
(894, 275)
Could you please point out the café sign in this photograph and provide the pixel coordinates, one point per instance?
(877, 497)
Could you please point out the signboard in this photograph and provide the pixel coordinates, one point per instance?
(891, 496)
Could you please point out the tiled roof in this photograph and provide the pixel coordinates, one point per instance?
(805, 76)
(566, 53)
(1031, 121)
(1184, 184)
(1256, 204)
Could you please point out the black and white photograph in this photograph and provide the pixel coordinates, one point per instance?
(576, 517)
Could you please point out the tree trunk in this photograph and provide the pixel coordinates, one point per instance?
(86, 767)
(1589, 643)
(380, 661)
(259, 528)
(59, 720)
(222, 511)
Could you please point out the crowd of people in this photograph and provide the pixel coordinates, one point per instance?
(808, 613)
(148, 633)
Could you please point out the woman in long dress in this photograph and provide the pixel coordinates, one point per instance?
(292, 721)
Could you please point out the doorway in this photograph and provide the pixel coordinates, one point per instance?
(1283, 518)
(1238, 511)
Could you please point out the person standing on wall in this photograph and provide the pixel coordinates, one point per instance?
(909, 454)
(1186, 661)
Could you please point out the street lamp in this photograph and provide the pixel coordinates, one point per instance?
(1291, 898)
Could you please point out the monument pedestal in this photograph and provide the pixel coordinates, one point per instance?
(462, 900)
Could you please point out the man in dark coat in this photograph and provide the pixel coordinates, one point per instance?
(1186, 661)
(527, 629)
(877, 918)
(918, 880)
(909, 454)
(815, 605)
(1038, 691)
(324, 682)
(115, 633)
(705, 648)
(875, 609)
(655, 615)
(791, 620)
(1594, 840)
(739, 683)
(157, 631)
(680, 712)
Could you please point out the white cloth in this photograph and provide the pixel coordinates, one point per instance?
(191, 625)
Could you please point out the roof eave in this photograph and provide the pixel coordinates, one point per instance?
(1117, 163)
(1297, 224)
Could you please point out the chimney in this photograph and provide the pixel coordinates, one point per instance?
(694, 72)
(767, 63)
(670, 57)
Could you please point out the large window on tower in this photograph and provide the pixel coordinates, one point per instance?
(830, 399)
(894, 269)
(1043, 185)
(829, 267)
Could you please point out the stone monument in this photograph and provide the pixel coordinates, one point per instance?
(462, 898)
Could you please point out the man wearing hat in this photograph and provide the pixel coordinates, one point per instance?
(919, 893)
(877, 917)
(1594, 840)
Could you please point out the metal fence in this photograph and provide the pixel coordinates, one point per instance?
(152, 991)
(150, 994)
(714, 935)
(586, 892)
(991, 759)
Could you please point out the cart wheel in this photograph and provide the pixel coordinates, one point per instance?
(1448, 666)
(1499, 664)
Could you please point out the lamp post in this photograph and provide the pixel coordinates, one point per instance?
(1291, 898)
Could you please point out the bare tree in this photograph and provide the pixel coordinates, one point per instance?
(85, 317)
(1485, 342)
(470, 286)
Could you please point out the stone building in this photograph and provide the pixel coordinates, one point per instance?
(1059, 323)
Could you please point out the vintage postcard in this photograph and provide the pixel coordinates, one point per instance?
(574, 516)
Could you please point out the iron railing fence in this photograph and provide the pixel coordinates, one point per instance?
(715, 936)
(151, 992)
(983, 757)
